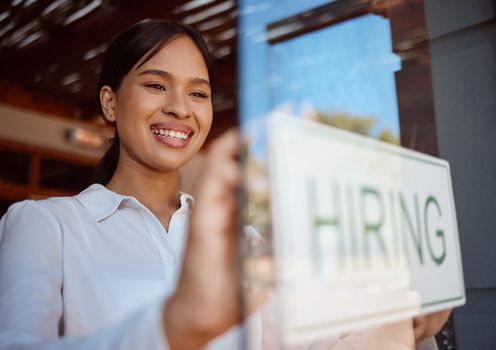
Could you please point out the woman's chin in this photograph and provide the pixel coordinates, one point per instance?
(170, 165)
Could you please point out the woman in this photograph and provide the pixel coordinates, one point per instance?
(97, 267)
(102, 268)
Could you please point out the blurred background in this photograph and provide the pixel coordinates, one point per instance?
(51, 136)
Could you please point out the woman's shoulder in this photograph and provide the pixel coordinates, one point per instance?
(27, 221)
(42, 212)
(40, 207)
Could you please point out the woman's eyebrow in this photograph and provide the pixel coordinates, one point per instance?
(159, 72)
(166, 75)
(200, 81)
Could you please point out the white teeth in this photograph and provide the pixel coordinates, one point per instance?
(170, 133)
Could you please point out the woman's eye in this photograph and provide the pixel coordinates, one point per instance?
(155, 86)
(199, 94)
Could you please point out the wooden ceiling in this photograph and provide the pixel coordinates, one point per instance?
(53, 48)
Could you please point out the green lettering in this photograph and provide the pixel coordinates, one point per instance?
(394, 229)
(325, 221)
(405, 217)
(439, 233)
(373, 227)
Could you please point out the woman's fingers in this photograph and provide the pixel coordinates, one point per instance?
(222, 170)
(217, 197)
(429, 325)
(206, 302)
(419, 327)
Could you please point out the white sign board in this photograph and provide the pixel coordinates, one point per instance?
(364, 231)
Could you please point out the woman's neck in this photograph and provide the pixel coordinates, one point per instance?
(158, 192)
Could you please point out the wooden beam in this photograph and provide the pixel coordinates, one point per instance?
(47, 153)
(18, 193)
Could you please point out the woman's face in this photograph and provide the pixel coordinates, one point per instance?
(163, 109)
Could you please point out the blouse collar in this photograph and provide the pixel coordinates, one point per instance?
(101, 202)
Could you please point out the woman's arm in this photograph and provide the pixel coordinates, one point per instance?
(31, 305)
(206, 302)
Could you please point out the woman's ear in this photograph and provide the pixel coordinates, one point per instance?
(107, 101)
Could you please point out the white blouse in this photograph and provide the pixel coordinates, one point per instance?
(89, 272)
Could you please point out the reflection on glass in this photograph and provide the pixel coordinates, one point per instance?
(341, 75)
(344, 74)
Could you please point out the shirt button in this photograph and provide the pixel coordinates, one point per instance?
(171, 260)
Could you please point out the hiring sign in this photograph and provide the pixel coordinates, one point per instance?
(364, 231)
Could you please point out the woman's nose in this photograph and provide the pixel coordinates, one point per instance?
(177, 106)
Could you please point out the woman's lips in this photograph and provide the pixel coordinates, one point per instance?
(172, 126)
(172, 135)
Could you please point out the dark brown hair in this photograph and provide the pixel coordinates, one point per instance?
(138, 43)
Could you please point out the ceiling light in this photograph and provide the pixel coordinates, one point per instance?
(83, 12)
(211, 11)
(28, 3)
(84, 137)
(4, 15)
(216, 22)
(191, 5)
(70, 79)
(223, 51)
(30, 39)
(8, 27)
(54, 5)
(88, 55)
(20, 33)
(226, 35)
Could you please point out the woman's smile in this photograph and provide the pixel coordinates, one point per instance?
(172, 135)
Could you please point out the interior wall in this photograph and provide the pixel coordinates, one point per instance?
(41, 130)
(462, 38)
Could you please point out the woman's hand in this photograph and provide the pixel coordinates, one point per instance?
(429, 325)
(206, 302)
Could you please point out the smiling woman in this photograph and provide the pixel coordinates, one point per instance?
(102, 269)
(169, 88)
(163, 69)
